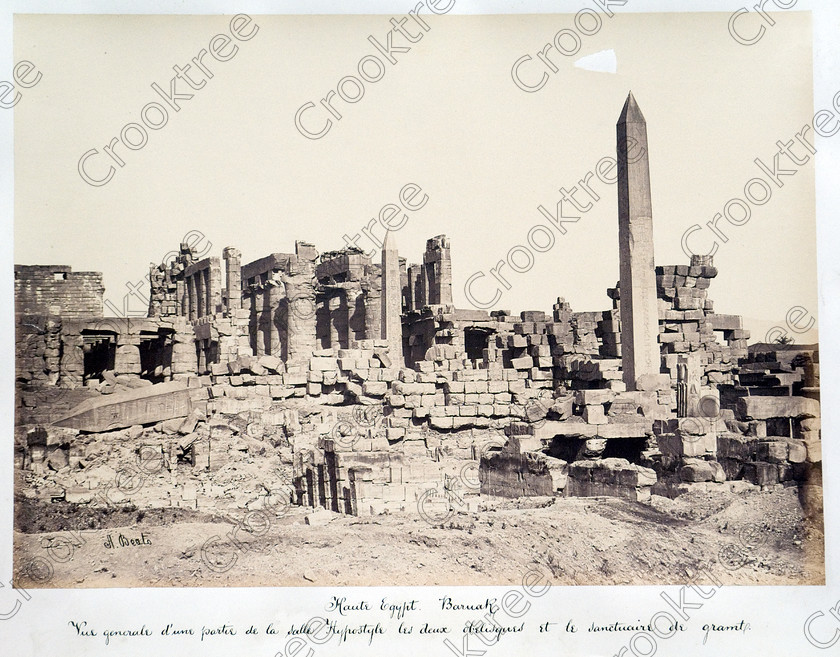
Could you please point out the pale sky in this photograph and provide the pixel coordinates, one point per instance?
(446, 117)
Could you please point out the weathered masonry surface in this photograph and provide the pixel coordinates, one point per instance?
(372, 388)
(57, 290)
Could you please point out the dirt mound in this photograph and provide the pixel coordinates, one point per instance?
(34, 516)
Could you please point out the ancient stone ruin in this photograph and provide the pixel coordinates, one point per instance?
(359, 387)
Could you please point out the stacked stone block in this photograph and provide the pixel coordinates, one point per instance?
(516, 472)
(785, 439)
(613, 477)
(376, 475)
(38, 349)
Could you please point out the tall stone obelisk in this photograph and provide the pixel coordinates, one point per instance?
(392, 300)
(639, 311)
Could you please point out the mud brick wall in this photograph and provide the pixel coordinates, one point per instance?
(58, 290)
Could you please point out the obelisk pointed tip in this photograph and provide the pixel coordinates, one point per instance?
(631, 112)
(389, 244)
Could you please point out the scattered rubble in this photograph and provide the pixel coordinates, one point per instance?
(329, 382)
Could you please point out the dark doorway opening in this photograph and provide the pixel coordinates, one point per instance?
(156, 357)
(625, 448)
(100, 350)
(475, 342)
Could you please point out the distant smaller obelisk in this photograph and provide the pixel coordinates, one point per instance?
(392, 300)
(639, 309)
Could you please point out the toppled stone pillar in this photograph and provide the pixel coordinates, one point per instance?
(392, 299)
(438, 267)
(639, 310)
(233, 277)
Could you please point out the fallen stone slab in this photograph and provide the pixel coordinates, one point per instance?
(156, 403)
(653, 382)
(624, 429)
(572, 428)
(320, 517)
(515, 471)
(78, 495)
(698, 470)
(612, 477)
(761, 473)
(764, 408)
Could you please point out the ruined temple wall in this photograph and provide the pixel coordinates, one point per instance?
(58, 290)
(691, 334)
(330, 376)
(37, 349)
(343, 314)
(376, 477)
(53, 365)
(437, 271)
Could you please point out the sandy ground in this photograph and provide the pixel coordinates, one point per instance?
(742, 537)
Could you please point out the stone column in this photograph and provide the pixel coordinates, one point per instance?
(372, 289)
(337, 305)
(693, 376)
(214, 287)
(416, 287)
(276, 294)
(182, 299)
(263, 316)
(200, 294)
(356, 311)
(392, 299)
(254, 317)
(208, 291)
(192, 293)
(127, 357)
(682, 388)
(300, 318)
(438, 267)
(639, 310)
(233, 277)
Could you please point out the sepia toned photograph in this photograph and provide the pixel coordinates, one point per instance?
(416, 300)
